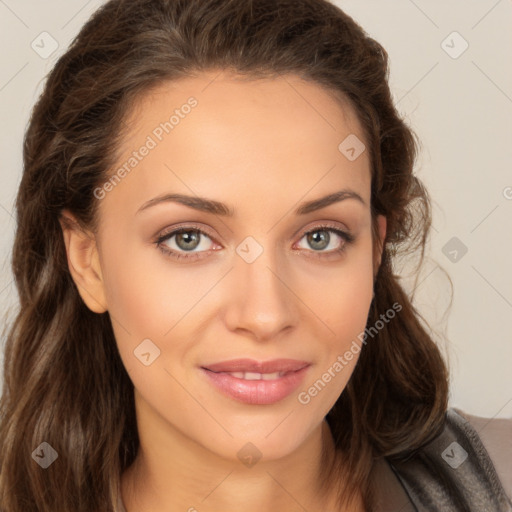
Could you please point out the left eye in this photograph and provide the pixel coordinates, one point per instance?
(185, 240)
(320, 238)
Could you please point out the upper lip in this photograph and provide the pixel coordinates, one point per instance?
(250, 365)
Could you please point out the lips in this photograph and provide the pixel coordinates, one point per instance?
(256, 383)
(251, 366)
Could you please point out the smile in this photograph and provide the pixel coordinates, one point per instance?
(257, 387)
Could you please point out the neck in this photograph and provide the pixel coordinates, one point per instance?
(172, 472)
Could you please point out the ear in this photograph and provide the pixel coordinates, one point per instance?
(83, 263)
(382, 228)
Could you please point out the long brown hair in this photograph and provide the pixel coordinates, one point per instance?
(64, 381)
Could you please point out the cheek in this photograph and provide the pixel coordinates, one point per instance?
(343, 308)
(145, 294)
(150, 298)
(144, 306)
(134, 295)
(343, 305)
(341, 297)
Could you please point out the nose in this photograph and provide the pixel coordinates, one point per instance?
(261, 301)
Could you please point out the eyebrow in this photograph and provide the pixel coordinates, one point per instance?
(217, 208)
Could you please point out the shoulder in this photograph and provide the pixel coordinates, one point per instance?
(467, 466)
(495, 435)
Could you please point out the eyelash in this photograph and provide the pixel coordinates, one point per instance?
(346, 237)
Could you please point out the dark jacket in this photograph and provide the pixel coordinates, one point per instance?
(467, 468)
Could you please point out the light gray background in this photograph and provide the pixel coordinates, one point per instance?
(461, 108)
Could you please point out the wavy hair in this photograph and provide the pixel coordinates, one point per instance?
(64, 381)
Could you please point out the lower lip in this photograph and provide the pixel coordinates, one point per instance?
(257, 392)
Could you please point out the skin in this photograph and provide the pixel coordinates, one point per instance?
(262, 147)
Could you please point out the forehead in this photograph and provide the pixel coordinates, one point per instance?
(229, 133)
(231, 96)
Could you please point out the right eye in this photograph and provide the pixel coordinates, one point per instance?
(178, 242)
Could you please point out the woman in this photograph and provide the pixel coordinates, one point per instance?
(212, 198)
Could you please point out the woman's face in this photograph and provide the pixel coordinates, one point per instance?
(246, 163)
